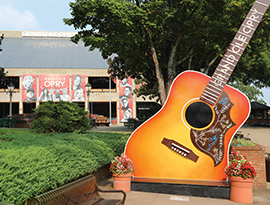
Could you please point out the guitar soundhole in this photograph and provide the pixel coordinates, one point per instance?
(199, 115)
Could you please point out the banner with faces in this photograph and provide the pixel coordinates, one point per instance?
(29, 87)
(125, 99)
(54, 87)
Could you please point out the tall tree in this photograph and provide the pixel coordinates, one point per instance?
(154, 40)
(2, 70)
(252, 92)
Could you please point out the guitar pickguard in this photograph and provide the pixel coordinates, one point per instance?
(211, 140)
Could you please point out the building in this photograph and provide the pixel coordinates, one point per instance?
(48, 66)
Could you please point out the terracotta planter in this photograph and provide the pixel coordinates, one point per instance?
(114, 122)
(241, 190)
(122, 182)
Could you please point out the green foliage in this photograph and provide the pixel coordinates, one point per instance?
(60, 117)
(31, 163)
(185, 34)
(1, 39)
(251, 91)
(258, 71)
(242, 142)
(116, 141)
(2, 70)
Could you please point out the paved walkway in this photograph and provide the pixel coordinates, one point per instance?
(112, 128)
(260, 196)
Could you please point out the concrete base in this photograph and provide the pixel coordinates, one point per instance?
(207, 189)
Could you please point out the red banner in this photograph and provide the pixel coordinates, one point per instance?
(77, 87)
(29, 87)
(54, 87)
(125, 99)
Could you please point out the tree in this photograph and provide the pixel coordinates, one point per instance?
(253, 93)
(1, 39)
(2, 70)
(258, 66)
(156, 39)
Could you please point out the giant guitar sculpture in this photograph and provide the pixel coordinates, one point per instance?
(190, 136)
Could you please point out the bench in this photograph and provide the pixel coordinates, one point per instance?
(93, 122)
(23, 120)
(102, 121)
(83, 191)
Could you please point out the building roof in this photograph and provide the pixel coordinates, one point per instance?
(259, 106)
(35, 52)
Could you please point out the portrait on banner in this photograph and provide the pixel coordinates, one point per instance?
(29, 87)
(54, 87)
(125, 99)
(77, 87)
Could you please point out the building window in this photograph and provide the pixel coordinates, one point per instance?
(28, 107)
(80, 104)
(4, 82)
(146, 110)
(101, 83)
(103, 108)
(4, 109)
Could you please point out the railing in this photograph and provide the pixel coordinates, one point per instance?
(16, 121)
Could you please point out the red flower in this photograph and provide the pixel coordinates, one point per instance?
(239, 166)
(122, 165)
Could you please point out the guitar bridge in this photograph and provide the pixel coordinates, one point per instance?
(180, 149)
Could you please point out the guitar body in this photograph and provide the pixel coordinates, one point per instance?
(210, 143)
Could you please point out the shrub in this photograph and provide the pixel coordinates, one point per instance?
(31, 163)
(242, 142)
(60, 117)
(116, 141)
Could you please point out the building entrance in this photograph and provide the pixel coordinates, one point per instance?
(102, 108)
(4, 109)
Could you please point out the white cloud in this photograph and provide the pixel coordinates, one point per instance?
(11, 19)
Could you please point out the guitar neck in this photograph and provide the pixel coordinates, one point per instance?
(234, 52)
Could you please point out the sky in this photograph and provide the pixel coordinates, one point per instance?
(266, 93)
(34, 15)
(45, 15)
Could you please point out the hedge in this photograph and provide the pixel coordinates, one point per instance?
(31, 164)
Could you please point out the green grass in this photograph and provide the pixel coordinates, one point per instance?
(32, 163)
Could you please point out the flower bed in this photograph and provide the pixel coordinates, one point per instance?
(256, 155)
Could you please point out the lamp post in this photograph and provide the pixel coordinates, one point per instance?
(10, 90)
(88, 87)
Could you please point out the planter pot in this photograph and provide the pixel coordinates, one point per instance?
(241, 190)
(122, 182)
(114, 122)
